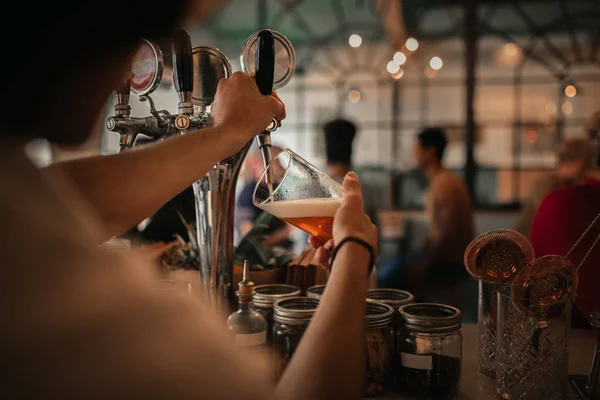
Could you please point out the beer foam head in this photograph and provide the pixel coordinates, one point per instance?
(302, 208)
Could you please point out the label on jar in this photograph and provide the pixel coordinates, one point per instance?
(416, 361)
(251, 339)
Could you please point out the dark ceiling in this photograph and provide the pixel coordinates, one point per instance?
(552, 33)
(307, 21)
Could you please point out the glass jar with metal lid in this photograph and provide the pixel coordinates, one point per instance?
(315, 292)
(380, 344)
(395, 298)
(265, 297)
(392, 297)
(429, 348)
(291, 317)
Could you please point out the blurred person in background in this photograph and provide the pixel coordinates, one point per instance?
(560, 220)
(82, 322)
(576, 158)
(449, 215)
(438, 268)
(246, 213)
(339, 141)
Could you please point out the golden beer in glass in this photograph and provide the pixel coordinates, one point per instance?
(302, 195)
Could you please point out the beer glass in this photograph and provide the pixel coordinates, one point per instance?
(301, 195)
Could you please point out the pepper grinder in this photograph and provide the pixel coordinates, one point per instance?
(593, 385)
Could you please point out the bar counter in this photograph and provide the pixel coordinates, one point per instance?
(476, 386)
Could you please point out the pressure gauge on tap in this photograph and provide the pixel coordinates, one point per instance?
(285, 58)
(147, 68)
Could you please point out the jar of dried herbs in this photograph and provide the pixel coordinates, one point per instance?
(380, 343)
(429, 351)
(265, 297)
(291, 318)
(315, 292)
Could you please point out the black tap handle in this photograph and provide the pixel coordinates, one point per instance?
(183, 65)
(265, 61)
(124, 87)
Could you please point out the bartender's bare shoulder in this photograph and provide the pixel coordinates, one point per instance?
(442, 186)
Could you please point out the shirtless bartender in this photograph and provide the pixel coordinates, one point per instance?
(449, 216)
(82, 323)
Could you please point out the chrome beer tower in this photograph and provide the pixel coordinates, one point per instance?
(196, 73)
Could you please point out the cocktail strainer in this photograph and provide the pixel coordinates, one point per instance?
(498, 255)
(542, 283)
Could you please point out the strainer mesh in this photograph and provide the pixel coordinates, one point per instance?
(544, 281)
(498, 255)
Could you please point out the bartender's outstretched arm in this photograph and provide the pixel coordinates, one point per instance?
(127, 187)
(329, 363)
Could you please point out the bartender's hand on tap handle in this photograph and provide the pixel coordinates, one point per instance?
(350, 220)
(242, 111)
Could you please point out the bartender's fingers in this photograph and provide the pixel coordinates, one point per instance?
(276, 96)
(353, 197)
(276, 106)
(157, 250)
(322, 257)
(315, 242)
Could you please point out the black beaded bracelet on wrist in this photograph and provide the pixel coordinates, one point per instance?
(357, 241)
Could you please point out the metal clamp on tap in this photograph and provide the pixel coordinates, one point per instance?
(147, 69)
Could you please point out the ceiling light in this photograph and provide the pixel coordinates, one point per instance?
(551, 108)
(400, 58)
(436, 63)
(570, 90)
(511, 50)
(430, 73)
(354, 96)
(398, 74)
(392, 67)
(567, 108)
(412, 44)
(355, 40)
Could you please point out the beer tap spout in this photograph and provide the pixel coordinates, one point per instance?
(160, 118)
(123, 110)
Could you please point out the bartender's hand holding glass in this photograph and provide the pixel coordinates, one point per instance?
(242, 110)
(350, 221)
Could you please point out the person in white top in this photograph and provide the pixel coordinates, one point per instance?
(83, 322)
